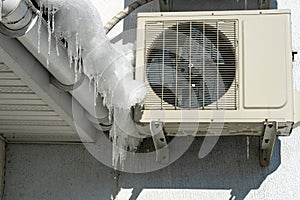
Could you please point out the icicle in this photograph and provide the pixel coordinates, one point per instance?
(49, 30)
(76, 64)
(109, 115)
(77, 41)
(70, 58)
(121, 141)
(53, 23)
(90, 83)
(79, 59)
(77, 49)
(56, 46)
(70, 61)
(122, 155)
(122, 158)
(95, 91)
(1, 7)
(39, 34)
(115, 156)
(246, 4)
(48, 62)
(76, 76)
(76, 69)
(248, 148)
(39, 28)
(76, 55)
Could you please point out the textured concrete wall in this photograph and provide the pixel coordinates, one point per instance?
(69, 172)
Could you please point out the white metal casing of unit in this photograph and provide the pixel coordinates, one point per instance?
(263, 67)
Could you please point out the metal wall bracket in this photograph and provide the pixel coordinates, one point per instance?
(267, 143)
(164, 5)
(294, 52)
(160, 142)
(285, 128)
(263, 4)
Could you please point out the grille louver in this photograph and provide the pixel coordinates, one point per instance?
(191, 64)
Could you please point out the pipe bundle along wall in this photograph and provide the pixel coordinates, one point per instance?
(34, 41)
(80, 24)
(89, 52)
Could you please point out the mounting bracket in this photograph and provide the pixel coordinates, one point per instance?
(164, 5)
(160, 142)
(263, 4)
(267, 143)
(294, 52)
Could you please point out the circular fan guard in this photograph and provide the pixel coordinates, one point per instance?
(190, 65)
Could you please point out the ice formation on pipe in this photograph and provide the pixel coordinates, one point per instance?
(1, 6)
(109, 69)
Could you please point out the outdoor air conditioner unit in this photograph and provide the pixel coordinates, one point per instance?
(228, 67)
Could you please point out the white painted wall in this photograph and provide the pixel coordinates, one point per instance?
(108, 9)
(69, 172)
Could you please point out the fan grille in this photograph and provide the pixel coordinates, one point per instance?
(191, 65)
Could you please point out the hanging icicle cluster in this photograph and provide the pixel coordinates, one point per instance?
(77, 24)
(48, 10)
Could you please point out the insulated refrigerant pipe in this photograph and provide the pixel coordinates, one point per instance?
(18, 20)
(9, 6)
(124, 13)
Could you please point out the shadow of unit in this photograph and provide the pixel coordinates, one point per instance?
(231, 165)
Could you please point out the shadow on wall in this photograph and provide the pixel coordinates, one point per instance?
(227, 166)
(58, 171)
(54, 172)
